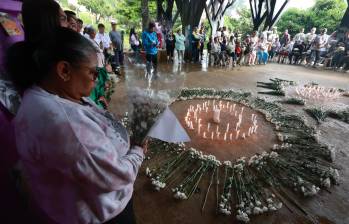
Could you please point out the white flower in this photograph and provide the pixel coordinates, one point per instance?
(242, 216)
(148, 172)
(227, 163)
(279, 205)
(265, 209)
(273, 155)
(257, 211)
(332, 154)
(326, 183)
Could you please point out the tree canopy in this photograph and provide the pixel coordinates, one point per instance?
(324, 14)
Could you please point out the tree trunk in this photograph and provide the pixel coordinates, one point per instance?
(345, 19)
(164, 15)
(271, 19)
(98, 18)
(215, 10)
(190, 12)
(145, 14)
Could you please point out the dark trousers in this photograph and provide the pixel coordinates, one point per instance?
(169, 52)
(195, 52)
(201, 49)
(119, 57)
(152, 59)
(233, 56)
(137, 53)
(127, 216)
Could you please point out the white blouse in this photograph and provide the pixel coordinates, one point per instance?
(77, 158)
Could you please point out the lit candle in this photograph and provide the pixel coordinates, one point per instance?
(217, 129)
(191, 125)
(231, 136)
(237, 126)
(204, 136)
(225, 136)
(235, 113)
(249, 131)
(252, 116)
(230, 109)
(242, 109)
(208, 126)
(206, 110)
(234, 107)
(199, 120)
(237, 134)
(227, 128)
(255, 129)
(218, 134)
(216, 115)
(212, 135)
(227, 104)
(243, 135)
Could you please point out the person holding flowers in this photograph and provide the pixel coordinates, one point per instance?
(78, 160)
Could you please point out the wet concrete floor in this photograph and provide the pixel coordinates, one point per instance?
(157, 208)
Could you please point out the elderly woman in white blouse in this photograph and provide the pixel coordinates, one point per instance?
(77, 158)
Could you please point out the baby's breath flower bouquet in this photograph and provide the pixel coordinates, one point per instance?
(148, 97)
(145, 107)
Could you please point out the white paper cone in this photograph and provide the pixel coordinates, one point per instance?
(168, 129)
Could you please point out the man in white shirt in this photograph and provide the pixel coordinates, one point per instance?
(300, 37)
(320, 43)
(102, 38)
(310, 37)
(273, 35)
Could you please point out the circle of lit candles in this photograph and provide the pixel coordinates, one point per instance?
(226, 107)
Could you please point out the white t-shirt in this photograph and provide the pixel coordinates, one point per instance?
(299, 37)
(104, 38)
(134, 40)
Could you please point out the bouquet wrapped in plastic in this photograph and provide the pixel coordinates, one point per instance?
(144, 110)
(149, 114)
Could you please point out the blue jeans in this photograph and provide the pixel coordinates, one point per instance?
(262, 57)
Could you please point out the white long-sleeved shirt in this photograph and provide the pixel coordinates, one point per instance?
(77, 158)
(104, 38)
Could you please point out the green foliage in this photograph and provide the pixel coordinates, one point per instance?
(294, 19)
(324, 14)
(243, 24)
(100, 8)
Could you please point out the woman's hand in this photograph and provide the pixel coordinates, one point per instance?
(143, 145)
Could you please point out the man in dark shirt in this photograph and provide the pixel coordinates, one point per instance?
(116, 39)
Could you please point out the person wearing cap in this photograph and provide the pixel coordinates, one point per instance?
(116, 39)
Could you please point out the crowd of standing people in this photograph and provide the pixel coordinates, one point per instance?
(235, 49)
